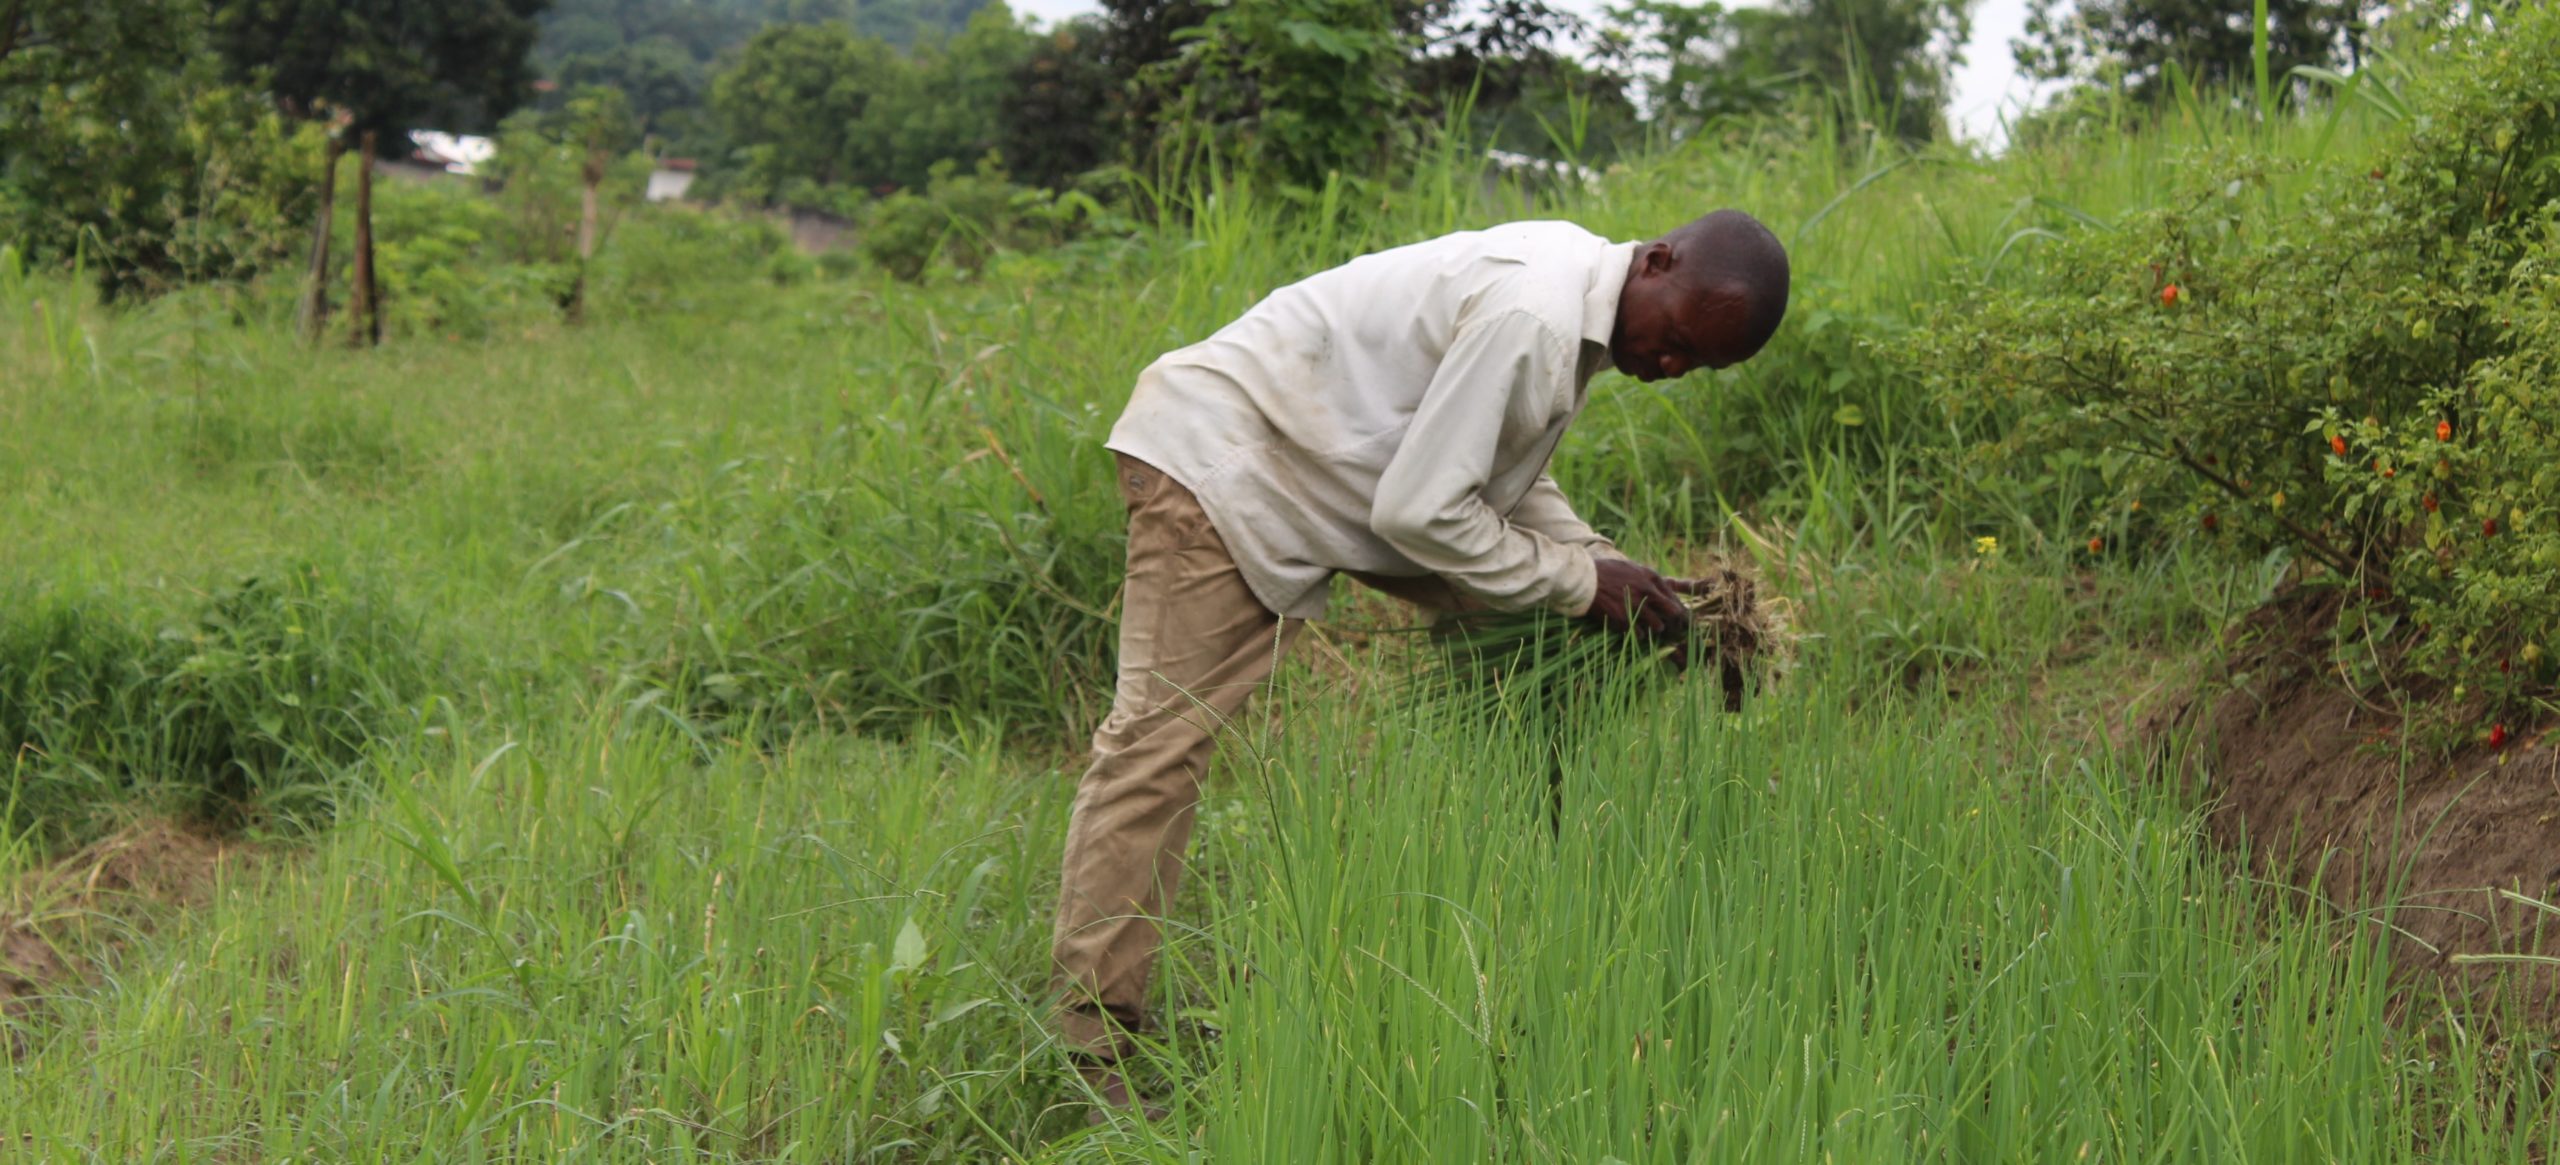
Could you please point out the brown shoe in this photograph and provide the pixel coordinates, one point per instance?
(1112, 1094)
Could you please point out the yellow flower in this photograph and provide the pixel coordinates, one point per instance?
(1986, 546)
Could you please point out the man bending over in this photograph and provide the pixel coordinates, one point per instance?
(1391, 419)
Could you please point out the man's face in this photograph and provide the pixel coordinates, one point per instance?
(1665, 328)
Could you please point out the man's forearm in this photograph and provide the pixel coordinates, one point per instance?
(1545, 510)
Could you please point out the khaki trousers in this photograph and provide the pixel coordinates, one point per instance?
(1194, 643)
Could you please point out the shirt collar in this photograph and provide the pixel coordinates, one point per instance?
(1600, 303)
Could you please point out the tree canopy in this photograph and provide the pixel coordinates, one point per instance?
(2136, 40)
(394, 66)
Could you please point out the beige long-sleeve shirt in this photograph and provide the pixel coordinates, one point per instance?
(1395, 416)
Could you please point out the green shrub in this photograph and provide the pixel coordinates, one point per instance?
(128, 159)
(459, 262)
(680, 259)
(903, 233)
(964, 220)
(251, 709)
(2358, 380)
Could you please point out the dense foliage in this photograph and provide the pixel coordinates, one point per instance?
(2136, 43)
(817, 113)
(122, 152)
(393, 66)
(1890, 61)
(2360, 380)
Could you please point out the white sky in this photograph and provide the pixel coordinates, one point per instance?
(1986, 84)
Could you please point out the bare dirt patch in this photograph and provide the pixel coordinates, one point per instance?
(2319, 786)
(59, 921)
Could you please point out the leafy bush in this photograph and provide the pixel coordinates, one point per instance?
(2360, 381)
(181, 181)
(455, 261)
(450, 262)
(250, 709)
(682, 259)
(1293, 88)
(965, 219)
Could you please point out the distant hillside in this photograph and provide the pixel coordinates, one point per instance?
(662, 53)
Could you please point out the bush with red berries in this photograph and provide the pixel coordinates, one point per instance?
(2366, 378)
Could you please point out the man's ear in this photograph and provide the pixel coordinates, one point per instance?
(1657, 259)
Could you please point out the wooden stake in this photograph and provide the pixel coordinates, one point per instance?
(364, 307)
(313, 313)
(590, 176)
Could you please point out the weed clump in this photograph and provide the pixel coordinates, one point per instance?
(247, 710)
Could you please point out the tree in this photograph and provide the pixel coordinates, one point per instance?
(950, 102)
(658, 77)
(1294, 89)
(1699, 62)
(664, 53)
(1890, 60)
(2135, 40)
(1502, 61)
(545, 154)
(1491, 55)
(601, 125)
(119, 145)
(107, 48)
(795, 100)
(1059, 115)
(815, 112)
(390, 66)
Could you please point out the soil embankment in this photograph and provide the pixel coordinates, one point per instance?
(2322, 787)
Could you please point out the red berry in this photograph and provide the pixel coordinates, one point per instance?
(2498, 736)
(2169, 296)
(2489, 528)
(2337, 444)
(2429, 501)
(2097, 544)
(2211, 522)
(2444, 430)
(2505, 667)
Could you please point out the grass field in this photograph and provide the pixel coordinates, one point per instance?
(663, 732)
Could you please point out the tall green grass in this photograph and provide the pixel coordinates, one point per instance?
(1799, 933)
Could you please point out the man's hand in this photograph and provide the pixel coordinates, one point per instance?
(1632, 597)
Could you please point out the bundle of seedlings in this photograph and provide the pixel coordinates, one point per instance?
(1544, 674)
(1738, 633)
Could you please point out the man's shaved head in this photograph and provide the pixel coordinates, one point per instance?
(1708, 294)
(1729, 254)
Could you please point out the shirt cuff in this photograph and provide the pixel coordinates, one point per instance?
(1582, 587)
